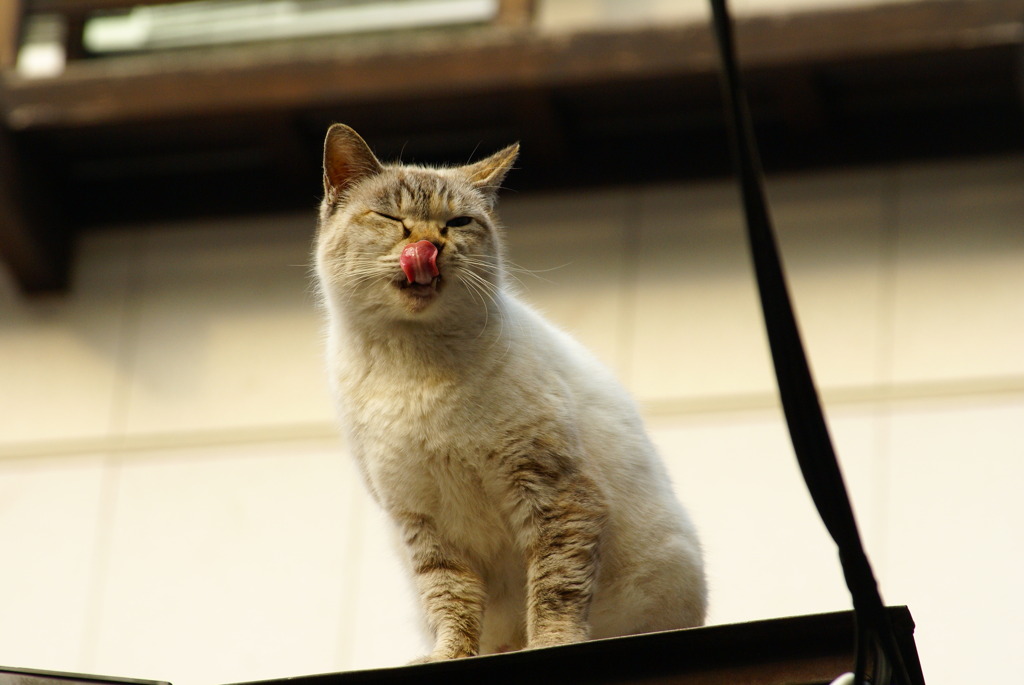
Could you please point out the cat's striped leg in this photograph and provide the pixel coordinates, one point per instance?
(562, 513)
(452, 594)
(562, 564)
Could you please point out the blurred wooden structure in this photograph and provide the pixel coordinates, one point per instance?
(180, 134)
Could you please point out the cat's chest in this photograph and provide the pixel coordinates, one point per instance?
(427, 468)
(410, 427)
(404, 409)
(423, 446)
(416, 450)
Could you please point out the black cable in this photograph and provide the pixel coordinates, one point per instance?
(879, 659)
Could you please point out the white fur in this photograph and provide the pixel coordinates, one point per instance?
(401, 423)
(426, 393)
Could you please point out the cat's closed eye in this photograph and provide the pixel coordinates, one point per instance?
(395, 219)
(458, 222)
(388, 216)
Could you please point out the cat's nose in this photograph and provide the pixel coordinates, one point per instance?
(423, 231)
(430, 236)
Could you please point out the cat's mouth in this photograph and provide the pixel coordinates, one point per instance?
(420, 289)
(419, 265)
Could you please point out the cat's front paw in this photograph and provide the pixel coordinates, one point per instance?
(426, 659)
(441, 655)
(554, 638)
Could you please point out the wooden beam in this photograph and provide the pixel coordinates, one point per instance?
(28, 245)
(460, 63)
(10, 33)
(31, 244)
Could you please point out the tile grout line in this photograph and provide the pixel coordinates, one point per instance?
(159, 442)
(105, 515)
(113, 459)
(890, 195)
(632, 206)
(994, 389)
(350, 576)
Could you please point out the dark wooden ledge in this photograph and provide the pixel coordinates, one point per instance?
(801, 650)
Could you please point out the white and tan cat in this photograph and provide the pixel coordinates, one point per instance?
(531, 506)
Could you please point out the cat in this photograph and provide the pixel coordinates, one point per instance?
(531, 508)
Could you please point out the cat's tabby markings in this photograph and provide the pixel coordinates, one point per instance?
(530, 506)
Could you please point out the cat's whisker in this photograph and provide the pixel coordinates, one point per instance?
(508, 265)
(367, 271)
(486, 286)
(535, 273)
(481, 284)
(509, 269)
(494, 269)
(515, 270)
(475, 292)
(359, 279)
(492, 292)
(486, 268)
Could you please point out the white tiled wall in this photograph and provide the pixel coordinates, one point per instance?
(49, 527)
(959, 309)
(175, 504)
(224, 329)
(59, 356)
(260, 535)
(955, 543)
(695, 321)
(767, 553)
(579, 259)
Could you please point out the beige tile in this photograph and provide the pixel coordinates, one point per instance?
(385, 620)
(60, 355)
(571, 247)
(226, 331)
(49, 524)
(699, 328)
(959, 309)
(228, 564)
(835, 235)
(956, 548)
(767, 552)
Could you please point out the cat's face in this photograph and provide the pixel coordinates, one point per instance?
(407, 242)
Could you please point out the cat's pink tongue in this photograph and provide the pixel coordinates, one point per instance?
(419, 262)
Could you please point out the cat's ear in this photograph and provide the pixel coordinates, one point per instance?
(487, 174)
(347, 159)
